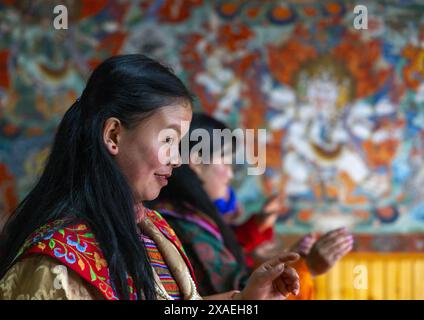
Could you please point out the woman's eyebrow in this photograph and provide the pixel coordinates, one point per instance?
(175, 127)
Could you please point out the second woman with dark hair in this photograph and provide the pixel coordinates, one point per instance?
(82, 232)
(200, 206)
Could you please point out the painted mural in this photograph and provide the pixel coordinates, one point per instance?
(343, 108)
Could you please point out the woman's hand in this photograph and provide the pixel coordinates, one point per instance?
(304, 245)
(270, 211)
(328, 249)
(273, 280)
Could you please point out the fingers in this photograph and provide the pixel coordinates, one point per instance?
(272, 198)
(270, 202)
(270, 220)
(335, 245)
(286, 257)
(341, 251)
(270, 270)
(291, 280)
(266, 221)
(280, 286)
(274, 205)
(287, 283)
(335, 233)
(339, 242)
(332, 236)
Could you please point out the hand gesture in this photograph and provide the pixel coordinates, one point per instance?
(273, 280)
(328, 249)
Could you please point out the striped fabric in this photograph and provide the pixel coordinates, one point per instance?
(161, 268)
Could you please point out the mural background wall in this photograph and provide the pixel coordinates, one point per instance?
(344, 108)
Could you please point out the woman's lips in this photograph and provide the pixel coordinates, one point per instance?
(163, 179)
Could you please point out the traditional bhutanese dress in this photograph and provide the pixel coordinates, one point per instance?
(62, 260)
(215, 267)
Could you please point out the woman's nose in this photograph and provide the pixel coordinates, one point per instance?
(176, 161)
(230, 172)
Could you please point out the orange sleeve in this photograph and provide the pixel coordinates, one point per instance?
(307, 289)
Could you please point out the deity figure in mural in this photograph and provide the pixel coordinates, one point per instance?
(336, 150)
(318, 139)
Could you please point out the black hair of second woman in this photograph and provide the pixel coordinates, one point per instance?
(185, 187)
(81, 180)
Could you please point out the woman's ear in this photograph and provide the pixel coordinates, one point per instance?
(111, 135)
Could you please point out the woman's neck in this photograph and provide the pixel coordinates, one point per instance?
(139, 212)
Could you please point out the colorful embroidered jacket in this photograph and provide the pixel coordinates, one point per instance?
(75, 247)
(215, 267)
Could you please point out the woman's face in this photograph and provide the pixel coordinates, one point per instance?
(137, 150)
(216, 177)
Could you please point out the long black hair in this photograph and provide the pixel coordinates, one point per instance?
(82, 180)
(185, 189)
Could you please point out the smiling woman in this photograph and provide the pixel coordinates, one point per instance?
(138, 148)
(82, 232)
(102, 164)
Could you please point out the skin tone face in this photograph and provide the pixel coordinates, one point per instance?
(136, 150)
(216, 177)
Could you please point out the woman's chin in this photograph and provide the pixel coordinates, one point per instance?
(152, 194)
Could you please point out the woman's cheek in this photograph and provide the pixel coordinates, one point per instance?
(221, 173)
(156, 158)
(142, 169)
(218, 183)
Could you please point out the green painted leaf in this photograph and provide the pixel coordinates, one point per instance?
(51, 243)
(88, 235)
(93, 275)
(62, 232)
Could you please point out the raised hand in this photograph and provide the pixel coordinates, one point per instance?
(328, 249)
(270, 211)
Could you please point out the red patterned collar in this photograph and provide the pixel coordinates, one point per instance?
(74, 245)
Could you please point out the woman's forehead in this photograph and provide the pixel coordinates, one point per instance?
(175, 114)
